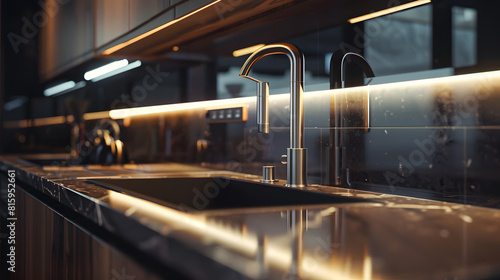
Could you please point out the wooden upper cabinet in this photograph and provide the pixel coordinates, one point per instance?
(112, 20)
(67, 37)
(76, 28)
(143, 10)
(115, 18)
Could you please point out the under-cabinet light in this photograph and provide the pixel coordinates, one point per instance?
(96, 115)
(152, 31)
(50, 121)
(149, 110)
(223, 103)
(103, 70)
(389, 11)
(59, 88)
(484, 79)
(131, 66)
(17, 124)
(247, 50)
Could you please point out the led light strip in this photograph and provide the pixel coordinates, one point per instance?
(225, 103)
(59, 88)
(149, 110)
(128, 67)
(389, 11)
(103, 70)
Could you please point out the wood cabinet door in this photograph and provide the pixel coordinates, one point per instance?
(112, 20)
(143, 10)
(67, 37)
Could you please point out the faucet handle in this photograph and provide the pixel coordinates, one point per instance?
(268, 174)
(263, 107)
(284, 159)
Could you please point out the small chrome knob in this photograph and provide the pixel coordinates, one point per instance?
(284, 159)
(268, 174)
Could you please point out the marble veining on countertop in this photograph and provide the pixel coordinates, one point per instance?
(387, 237)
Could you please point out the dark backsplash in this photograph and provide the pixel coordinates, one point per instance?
(435, 139)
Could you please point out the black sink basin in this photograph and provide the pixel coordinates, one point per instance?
(218, 193)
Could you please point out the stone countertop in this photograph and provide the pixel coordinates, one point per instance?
(388, 237)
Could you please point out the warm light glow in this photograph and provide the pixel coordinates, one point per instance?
(389, 11)
(39, 122)
(17, 124)
(146, 34)
(103, 70)
(175, 48)
(96, 115)
(49, 121)
(442, 80)
(367, 264)
(229, 238)
(247, 50)
(224, 103)
(131, 66)
(484, 78)
(212, 104)
(59, 88)
(55, 120)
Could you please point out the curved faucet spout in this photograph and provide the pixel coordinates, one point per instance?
(296, 154)
(365, 66)
(338, 80)
(294, 54)
(338, 63)
(296, 85)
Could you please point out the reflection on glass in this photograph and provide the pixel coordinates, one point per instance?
(464, 36)
(400, 42)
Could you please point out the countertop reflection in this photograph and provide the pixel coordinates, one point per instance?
(390, 237)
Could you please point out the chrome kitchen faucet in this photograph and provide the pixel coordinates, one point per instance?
(338, 63)
(296, 157)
